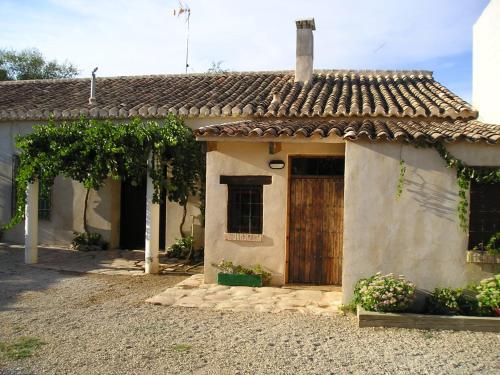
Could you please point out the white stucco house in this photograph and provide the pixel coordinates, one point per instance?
(302, 167)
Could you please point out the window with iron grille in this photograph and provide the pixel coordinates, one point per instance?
(245, 209)
(484, 216)
(44, 195)
(245, 202)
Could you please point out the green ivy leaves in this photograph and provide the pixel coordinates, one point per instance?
(465, 174)
(90, 151)
(401, 179)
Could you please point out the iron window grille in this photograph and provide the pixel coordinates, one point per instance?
(245, 209)
(484, 214)
(317, 166)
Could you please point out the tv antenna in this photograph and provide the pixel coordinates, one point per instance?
(186, 11)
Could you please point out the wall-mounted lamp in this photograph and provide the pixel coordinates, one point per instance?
(276, 164)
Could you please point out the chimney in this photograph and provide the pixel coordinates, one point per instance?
(92, 99)
(305, 50)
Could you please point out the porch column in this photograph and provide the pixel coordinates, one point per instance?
(31, 224)
(152, 229)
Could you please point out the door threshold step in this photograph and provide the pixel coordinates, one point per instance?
(324, 288)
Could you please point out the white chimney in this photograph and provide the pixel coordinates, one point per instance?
(305, 50)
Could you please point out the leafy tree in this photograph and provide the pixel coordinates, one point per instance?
(90, 151)
(31, 64)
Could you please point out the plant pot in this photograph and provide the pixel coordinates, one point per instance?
(239, 280)
(474, 256)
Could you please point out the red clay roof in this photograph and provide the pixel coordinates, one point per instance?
(332, 93)
(429, 130)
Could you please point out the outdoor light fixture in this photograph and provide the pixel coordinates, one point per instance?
(276, 164)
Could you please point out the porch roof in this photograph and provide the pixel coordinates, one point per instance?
(428, 130)
(331, 93)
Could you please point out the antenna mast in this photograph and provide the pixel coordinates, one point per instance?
(184, 8)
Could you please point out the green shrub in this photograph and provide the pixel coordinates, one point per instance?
(468, 303)
(444, 301)
(349, 308)
(181, 248)
(488, 296)
(226, 266)
(88, 241)
(384, 293)
(492, 246)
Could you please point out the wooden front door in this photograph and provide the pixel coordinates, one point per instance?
(316, 229)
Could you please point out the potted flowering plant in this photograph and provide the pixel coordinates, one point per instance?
(486, 252)
(237, 275)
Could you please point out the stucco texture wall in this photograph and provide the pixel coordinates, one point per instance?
(247, 158)
(417, 235)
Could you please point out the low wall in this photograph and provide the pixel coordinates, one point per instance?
(420, 321)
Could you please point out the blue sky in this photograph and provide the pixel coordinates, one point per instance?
(125, 37)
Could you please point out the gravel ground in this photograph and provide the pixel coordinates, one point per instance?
(97, 324)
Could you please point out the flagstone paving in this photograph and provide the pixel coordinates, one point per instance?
(109, 262)
(192, 292)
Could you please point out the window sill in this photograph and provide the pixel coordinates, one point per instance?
(249, 237)
(482, 257)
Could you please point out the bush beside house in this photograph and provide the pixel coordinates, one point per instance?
(387, 293)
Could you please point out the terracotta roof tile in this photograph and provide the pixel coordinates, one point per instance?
(429, 130)
(332, 93)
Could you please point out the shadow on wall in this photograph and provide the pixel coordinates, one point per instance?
(99, 209)
(5, 185)
(432, 197)
(59, 228)
(426, 178)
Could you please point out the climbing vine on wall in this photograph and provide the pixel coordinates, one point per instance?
(401, 178)
(465, 174)
(90, 151)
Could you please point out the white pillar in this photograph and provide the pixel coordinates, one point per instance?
(31, 224)
(152, 230)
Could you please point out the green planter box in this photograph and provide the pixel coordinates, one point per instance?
(238, 280)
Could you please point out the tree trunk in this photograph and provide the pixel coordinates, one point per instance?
(85, 226)
(184, 213)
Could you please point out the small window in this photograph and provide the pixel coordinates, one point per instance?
(44, 202)
(44, 195)
(245, 201)
(484, 217)
(245, 209)
(318, 166)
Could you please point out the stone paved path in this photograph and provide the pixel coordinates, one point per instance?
(192, 292)
(108, 262)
